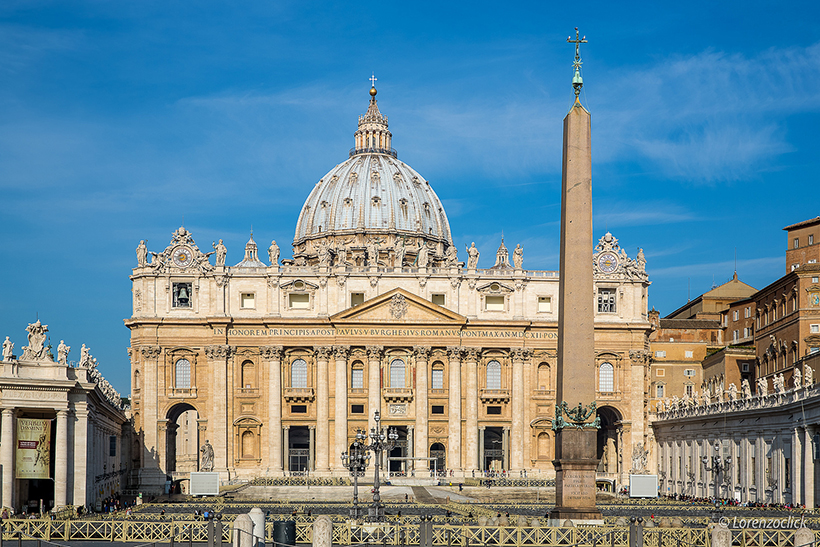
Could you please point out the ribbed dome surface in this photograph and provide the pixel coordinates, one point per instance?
(373, 193)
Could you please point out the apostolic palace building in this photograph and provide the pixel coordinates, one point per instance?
(278, 363)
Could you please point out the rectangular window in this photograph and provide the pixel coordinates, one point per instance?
(815, 279)
(744, 367)
(437, 409)
(735, 335)
(299, 301)
(606, 300)
(660, 353)
(689, 354)
(747, 313)
(438, 378)
(438, 299)
(690, 389)
(493, 410)
(298, 409)
(357, 409)
(660, 372)
(689, 372)
(659, 389)
(544, 304)
(182, 295)
(734, 315)
(247, 300)
(796, 243)
(356, 298)
(815, 328)
(357, 378)
(112, 445)
(494, 303)
(811, 239)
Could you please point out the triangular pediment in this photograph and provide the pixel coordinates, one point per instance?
(398, 306)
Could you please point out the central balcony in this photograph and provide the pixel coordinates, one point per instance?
(299, 394)
(397, 394)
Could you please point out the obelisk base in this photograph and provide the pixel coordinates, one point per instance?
(575, 475)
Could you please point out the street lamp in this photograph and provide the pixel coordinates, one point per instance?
(356, 462)
(719, 465)
(380, 440)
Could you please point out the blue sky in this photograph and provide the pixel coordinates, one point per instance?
(118, 119)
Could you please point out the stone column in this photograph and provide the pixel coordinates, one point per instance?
(286, 449)
(150, 361)
(273, 355)
(481, 448)
(220, 401)
(797, 467)
(322, 410)
(374, 393)
(808, 471)
(422, 386)
(471, 427)
(312, 448)
(7, 456)
(505, 448)
(61, 459)
(517, 396)
(80, 464)
(454, 418)
(411, 464)
(340, 353)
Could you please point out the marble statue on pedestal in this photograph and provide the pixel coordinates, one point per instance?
(142, 254)
(8, 349)
(221, 253)
(472, 257)
(85, 356)
(808, 379)
(762, 387)
(206, 462)
(62, 353)
(36, 350)
(797, 379)
(273, 253)
(518, 256)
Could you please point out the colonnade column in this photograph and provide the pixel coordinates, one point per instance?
(808, 470)
(80, 446)
(517, 396)
(454, 419)
(322, 410)
(312, 448)
(796, 467)
(286, 449)
(422, 386)
(505, 448)
(61, 459)
(273, 355)
(481, 448)
(471, 428)
(409, 452)
(340, 353)
(374, 394)
(218, 362)
(7, 456)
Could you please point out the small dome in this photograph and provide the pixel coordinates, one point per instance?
(372, 194)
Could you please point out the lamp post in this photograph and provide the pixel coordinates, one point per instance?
(719, 465)
(356, 462)
(381, 439)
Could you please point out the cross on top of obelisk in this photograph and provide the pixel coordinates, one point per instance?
(577, 81)
(373, 79)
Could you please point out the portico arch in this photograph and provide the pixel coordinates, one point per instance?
(181, 440)
(609, 447)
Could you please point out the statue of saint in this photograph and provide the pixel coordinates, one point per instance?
(746, 388)
(373, 251)
(273, 253)
(221, 253)
(324, 255)
(424, 255)
(400, 250)
(142, 254)
(797, 379)
(640, 259)
(8, 349)
(62, 353)
(85, 356)
(762, 387)
(518, 256)
(206, 462)
(808, 377)
(732, 392)
(472, 257)
(452, 256)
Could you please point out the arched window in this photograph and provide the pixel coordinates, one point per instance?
(543, 376)
(182, 374)
(543, 446)
(606, 378)
(397, 373)
(438, 376)
(248, 375)
(298, 373)
(357, 375)
(493, 375)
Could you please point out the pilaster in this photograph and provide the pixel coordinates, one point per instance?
(218, 356)
(422, 354)
(454, 418)
(7, 456)
(322, 409)
(340, 354)
(273, 356)
(471, 408)
(61, 460)
(374, 394)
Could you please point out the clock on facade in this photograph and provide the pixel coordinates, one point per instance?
(183, 256)
(608, 262)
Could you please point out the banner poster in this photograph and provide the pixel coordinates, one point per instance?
(33, 448)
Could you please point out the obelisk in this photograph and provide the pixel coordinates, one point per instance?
(576, 424)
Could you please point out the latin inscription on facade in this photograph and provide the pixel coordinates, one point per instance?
(408, 333)
(578, 487)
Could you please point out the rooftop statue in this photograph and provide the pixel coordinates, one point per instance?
(273, 253)
(36, 350)
(62, 353)
(8, 349)
(518, 256)
(472, 256)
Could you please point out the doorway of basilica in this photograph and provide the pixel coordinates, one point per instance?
(299, 456)
(609, 449)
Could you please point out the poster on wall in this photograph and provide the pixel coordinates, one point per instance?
(33, 448)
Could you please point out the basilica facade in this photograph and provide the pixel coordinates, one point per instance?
(279, 363)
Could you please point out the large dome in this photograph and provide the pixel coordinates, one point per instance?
(372, 195)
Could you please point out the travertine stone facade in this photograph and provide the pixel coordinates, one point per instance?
(281, 364)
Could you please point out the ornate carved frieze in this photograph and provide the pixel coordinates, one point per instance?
(150, 352)
(421, 352)
(340, 353)
(398, 306)
(374, 353)
(610, 261)
(217, 352)
(272, 352)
